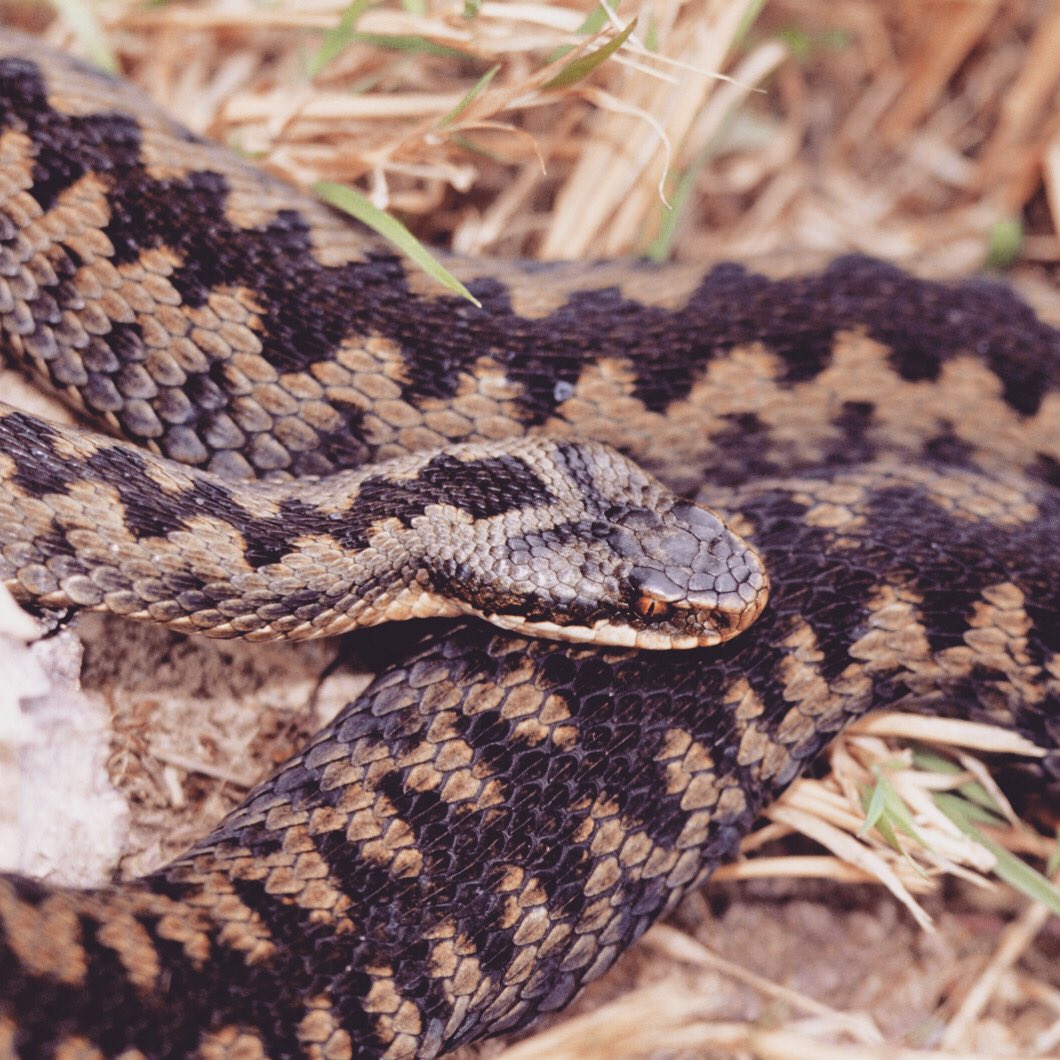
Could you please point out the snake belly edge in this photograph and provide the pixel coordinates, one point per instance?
(495, 819)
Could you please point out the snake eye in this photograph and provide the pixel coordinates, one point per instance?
(651, 608)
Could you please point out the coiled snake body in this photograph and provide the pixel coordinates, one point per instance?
(494, 820)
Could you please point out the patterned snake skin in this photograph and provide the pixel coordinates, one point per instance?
(562, 539)
(495, 819)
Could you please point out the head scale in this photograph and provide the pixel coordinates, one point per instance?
(613, 558)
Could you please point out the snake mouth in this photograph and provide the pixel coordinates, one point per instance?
(604, 634)
(658, 614)
(711, 629)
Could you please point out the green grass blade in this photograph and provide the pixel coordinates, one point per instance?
(660, 248)
(877, 803)
(411, 44)
(896, 811)
(1004, 243)
(393, 231)
(473, 93)
(472, 148)
(979, 814)
(1012, 870)
(890, 836)
(651, 35)
(887, 813)
(580, 68)
(975, 793)
(932, 762)
(593, 23)
(82, 20)
(337, 39)
(345, 33)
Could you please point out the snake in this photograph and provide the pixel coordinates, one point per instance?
(293, 432)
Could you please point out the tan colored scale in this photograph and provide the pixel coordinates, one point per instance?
(78, 1048)
(232, 1043)
(321, 1030)
(45, 938)
(800, 417)
(799, 425)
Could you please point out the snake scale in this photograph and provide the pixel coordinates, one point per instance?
(495, 819)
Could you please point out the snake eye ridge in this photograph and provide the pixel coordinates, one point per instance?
(651, 608)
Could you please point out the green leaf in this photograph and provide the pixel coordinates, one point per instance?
(898, 814)
(579, 68)
(471, 8)
(1012, 870)
(931, 761)
(660, 247)
(805, 46)
(890, 836)
(979, 814)
(651, 36)
(1003, 243)
(356, 205)
(934, 762)
(1053, 864)
(879, 818)
(82, 20)
(888, 813)
(337, 39)
(473, 93)
(975, 793)
(877, 803)
(593, 23)
(750, 17)
(799, 43)
(345, 33)
(411, 44)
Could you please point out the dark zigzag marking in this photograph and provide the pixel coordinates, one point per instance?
(115, 1015)
(813, 585)
(484, 488)
(310, 308)
(907, 521)
(31, 444)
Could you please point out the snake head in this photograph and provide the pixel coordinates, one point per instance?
(692, 582)
(598, 551)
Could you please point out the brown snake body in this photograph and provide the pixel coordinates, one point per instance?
(494, 820)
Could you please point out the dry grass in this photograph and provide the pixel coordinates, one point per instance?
(925, 132)
(909, 130)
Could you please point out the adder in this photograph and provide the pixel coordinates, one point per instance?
(495, 819)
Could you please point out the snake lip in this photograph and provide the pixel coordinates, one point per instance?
(607, 633)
